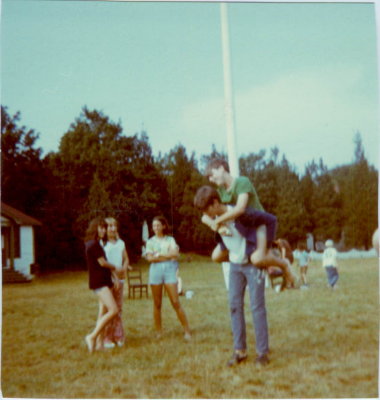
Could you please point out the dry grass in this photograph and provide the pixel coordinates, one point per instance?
(324, 344)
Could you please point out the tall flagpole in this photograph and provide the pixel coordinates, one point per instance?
(377, 18)
(229, 106)
(229, 111)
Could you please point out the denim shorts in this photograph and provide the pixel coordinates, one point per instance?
(163, 272)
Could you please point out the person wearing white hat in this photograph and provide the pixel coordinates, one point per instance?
(329, 261)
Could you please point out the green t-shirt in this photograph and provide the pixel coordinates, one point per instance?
(240, 185)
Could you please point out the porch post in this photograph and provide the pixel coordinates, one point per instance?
(12, 246)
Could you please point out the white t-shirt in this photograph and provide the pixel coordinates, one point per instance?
(304, 258)
(329, 258)
(114, 252)
(156, 245)
(236, 244)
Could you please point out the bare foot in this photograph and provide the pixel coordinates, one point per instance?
(99, 346)
(99, 343)
(89, 343)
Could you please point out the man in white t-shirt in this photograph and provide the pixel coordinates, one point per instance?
(115, 250)
(242, 274)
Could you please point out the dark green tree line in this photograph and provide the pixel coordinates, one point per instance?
(102, 172)
(99, 170)
(22, 171)
(358, 185)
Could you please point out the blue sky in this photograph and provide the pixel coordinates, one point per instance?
(304, 75)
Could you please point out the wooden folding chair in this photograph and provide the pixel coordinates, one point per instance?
(135, 283)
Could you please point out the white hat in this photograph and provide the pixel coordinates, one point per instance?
(329, 243)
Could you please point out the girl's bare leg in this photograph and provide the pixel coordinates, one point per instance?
(303, 275)
(171, 289)
(271, 260)
(99, 339)
(157, 303)
(262, 258)
(105, 296)
(258, 256)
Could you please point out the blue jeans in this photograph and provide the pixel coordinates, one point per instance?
(241, 276)
(332, 275)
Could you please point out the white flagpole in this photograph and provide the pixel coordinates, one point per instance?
(229, 112)
(145, 237)
(377, 17)
(229, 107)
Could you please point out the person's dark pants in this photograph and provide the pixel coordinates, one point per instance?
(332, 275)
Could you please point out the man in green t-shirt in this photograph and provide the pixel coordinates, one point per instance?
(241, 193)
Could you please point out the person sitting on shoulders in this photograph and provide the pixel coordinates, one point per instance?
(238, 247)
(240, 194)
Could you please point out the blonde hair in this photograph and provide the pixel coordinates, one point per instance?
(110, 221)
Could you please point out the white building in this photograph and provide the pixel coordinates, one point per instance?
(17, 244)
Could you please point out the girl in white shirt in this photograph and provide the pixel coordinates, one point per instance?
(303, 263)
(117, 255)
(162, 252)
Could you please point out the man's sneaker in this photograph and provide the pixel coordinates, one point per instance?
(109, 345)
(236, 358)
(262, 361)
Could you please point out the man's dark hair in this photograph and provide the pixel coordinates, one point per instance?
(205, 197)
(216, 163)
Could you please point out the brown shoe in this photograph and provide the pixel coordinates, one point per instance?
(236, 359)
(262, 361)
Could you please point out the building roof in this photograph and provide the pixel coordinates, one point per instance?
(19, 217)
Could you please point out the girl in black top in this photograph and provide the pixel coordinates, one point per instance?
(100, 280)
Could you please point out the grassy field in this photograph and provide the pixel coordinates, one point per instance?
(324, 344)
